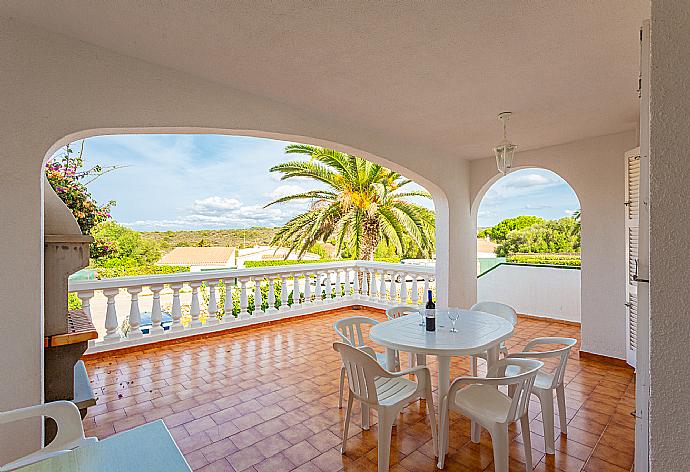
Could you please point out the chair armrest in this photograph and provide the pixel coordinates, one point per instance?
(549, 340)
(414, 371)
(534, 354)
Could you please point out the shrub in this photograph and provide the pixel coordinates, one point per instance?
(129, 271)
(545, 259)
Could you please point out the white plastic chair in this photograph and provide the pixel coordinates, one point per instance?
(70, 431)
(548, 382)
(482, 402)
(350, 331)
(386, 392)
(402, 310)
(498, 309)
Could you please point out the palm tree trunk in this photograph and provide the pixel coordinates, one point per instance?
(370, 238)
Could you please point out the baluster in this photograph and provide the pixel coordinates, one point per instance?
(394, 288)
(283, 293)
(85, 298)
(365, 284)
(111, 325)
(271, 295)
(244, 314)
(307, 288)
(340, 288)
(319, 289)
(425, 297)
(156, 313)
(382, 288)
(329, 288)
(212, 308)
(355, 281)
(415, 290)
(258, 298)
(195, 308)
(348, 286)
(403, 289)
(228, 306)
(373, 286)
(176, 308)
(295, 291)
(134, 314)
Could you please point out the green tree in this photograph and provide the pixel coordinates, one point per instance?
(361, 205)
(553, 236)
(130, 249)
(499, 232)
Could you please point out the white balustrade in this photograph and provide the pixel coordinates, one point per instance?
(337, 284)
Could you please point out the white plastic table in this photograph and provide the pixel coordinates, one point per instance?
(477, 332)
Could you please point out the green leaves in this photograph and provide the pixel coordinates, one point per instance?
(361, 206)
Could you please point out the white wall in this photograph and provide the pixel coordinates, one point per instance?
(594, 169)
(540, 291)
(669, 241)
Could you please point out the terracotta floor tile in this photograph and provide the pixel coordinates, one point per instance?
(264, 399)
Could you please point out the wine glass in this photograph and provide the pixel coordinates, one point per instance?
(421, 318)
(453, 316)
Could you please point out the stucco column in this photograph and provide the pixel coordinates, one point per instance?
(456, 244)
(669, 239)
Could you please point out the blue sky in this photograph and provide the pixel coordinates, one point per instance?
(175, 182)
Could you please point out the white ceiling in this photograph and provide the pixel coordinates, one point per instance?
(436, 73)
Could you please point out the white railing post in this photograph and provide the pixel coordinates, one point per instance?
(85, 298)
(382, 288)
(283, 293)
(195, 308)
(355, 282)
(365, 284)
(373, 286)
(244, 314)
(258, 297)
(340, 287)
(329, 288)
(111, 325)
(212, 309)
(271, 295)
(415, 290)
(296, 291)
(228, 306)
(134, 314)
(307, 288)
(176, 308)
(393, 288)
(156, 312)
(403, 289)
(319, 290)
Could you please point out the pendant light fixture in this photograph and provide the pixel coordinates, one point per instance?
(506, 150)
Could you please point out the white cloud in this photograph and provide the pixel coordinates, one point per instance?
(569, 212)
(285, 190)
(528, 180)
(214, 205)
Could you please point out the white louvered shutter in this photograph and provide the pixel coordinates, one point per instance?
(632, 229)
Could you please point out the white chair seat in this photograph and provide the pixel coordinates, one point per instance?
(394, 390)
(544, 380)
(485, 401)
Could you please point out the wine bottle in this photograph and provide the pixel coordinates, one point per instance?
(430, 313)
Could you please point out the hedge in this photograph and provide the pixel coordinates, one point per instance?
(250, 264)
(545, 259)
(127, 271)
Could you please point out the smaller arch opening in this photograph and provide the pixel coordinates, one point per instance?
(528, 244)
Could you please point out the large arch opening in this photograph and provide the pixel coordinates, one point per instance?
(528, 244)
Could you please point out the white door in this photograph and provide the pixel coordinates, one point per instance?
(642, 319)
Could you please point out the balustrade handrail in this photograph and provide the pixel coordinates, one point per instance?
(222, 274)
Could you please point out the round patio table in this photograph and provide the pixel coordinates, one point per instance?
(478, 332)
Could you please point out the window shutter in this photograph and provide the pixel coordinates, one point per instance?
(632, 230)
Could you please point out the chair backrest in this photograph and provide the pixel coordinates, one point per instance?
(402, 310)
(563, 353)
(499, 309)
(362, 371)
(70, 431)
(520, 382)
(350, 329)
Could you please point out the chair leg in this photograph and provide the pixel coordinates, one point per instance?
(527, 441)
(560, 395)
(546, 400)
(365, 415)
(432, 418)
(499, 439)
(350, 398)
(342, 386)
(421, 359)
(386, 417)
(410, 360)
(473, 365)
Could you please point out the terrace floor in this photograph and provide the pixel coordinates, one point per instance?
(265, 399)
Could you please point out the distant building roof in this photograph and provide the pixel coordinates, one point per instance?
(484, 245)
(198, 256)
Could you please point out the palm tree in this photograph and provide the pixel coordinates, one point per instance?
(361, 205)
